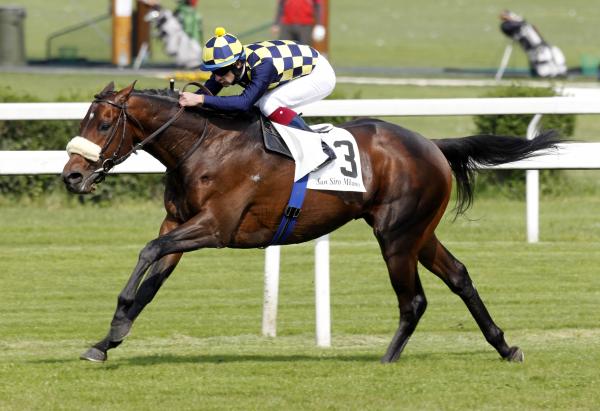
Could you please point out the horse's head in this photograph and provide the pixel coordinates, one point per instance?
(105, 137)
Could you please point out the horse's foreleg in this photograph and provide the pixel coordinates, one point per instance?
(162, 266)
(159, 273)
(121, 324)
(437, 259)
(119, 329)
(198, 232)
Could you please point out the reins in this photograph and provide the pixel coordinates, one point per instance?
(114, 160)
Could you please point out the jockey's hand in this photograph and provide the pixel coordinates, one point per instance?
(187, 99)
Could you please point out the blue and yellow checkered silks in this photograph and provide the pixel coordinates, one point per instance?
(292, 60)
(221, 51)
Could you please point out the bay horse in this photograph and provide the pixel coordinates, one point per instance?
(223, 189)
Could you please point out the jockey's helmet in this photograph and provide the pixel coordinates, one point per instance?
(222, 50)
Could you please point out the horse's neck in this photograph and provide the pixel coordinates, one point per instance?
(191, 132)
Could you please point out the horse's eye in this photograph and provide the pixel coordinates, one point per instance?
(104, 126)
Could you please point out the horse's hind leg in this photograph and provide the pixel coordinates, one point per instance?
(411, 302)
(437, 259)
(401, 262)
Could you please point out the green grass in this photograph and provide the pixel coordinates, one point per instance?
(197, 346)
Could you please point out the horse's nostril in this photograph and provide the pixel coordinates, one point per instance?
(73, 178)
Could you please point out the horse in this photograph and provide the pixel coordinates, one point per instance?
(224, 189)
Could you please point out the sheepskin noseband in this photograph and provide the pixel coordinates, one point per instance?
(84, 147)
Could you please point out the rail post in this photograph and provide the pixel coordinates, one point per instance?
(271, 291)
(121, 32)
(532, 182)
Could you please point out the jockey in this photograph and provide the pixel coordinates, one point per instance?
(277, 76)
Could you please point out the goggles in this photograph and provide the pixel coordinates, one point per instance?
(222, 71)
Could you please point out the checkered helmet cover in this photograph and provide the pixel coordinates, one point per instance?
(221, 51)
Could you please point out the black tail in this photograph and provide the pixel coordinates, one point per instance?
(467, 154)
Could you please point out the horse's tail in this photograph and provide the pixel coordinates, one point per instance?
(467, 154)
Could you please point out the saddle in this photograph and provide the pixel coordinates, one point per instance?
(272, 139)
(274, 143)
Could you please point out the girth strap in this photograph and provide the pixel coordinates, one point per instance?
(292, 211)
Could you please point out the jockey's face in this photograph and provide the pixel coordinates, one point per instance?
(226, 79)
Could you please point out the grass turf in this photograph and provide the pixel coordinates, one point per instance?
(197, 346)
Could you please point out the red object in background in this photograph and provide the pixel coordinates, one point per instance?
(192, 2)
(299, 12)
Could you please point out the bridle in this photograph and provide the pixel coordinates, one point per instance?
(114, 159)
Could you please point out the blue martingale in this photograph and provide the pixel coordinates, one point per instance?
(292, 211)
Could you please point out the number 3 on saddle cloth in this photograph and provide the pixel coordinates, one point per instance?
(312, 169)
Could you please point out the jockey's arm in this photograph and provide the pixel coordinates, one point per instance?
(197, 98)
(261, 76)
(213, 85)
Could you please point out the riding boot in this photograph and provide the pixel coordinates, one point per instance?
(289, 117)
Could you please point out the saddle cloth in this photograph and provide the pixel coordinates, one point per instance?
(342, 174)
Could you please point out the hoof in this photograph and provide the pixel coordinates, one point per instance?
(515, 355)
(94, 355)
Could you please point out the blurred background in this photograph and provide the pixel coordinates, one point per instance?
(389, 37)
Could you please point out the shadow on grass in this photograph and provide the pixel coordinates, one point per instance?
(463, 356)
(151, 360)
(242, 358)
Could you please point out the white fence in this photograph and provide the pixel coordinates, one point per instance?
(570, 156)
(365, 107)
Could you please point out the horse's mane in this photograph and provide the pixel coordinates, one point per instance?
(161, 92)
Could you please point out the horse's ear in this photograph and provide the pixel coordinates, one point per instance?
(109, 88)
(123, 95)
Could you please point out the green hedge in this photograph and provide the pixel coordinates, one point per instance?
(512, 182)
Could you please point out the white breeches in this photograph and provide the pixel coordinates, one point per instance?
(313, 87)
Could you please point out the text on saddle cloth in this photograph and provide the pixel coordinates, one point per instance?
(342, 174)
